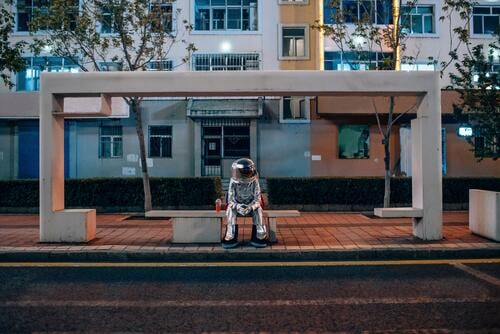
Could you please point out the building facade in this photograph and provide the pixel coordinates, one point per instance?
(286, 136)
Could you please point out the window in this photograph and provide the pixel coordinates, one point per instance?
(216, 15)
(160, 141)
(294, 42)
(417, 19)
(226, 62)
(110, 142)
(29, 78)
(485, 20)
(159, 65)
(354, 142)
(27, 10)
(418, 67)
(161, 12)
(486, 148)
(110, 66)
(106, 20)
(376, 11)
(356, 61)
(294, 109)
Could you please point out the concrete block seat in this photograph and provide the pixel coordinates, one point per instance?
(405, 212)
(204, 226)
(484, 213)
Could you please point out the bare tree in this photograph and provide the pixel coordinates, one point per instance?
(360, 35)
(125, 35)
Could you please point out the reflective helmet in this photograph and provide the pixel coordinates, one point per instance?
(243, 170)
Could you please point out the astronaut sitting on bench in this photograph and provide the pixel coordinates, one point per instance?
(243, 198)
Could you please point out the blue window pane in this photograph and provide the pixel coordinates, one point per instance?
(490, 24)
(481, 10)
(428, 25)
(477, 25)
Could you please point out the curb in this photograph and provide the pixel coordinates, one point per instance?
(246, 255)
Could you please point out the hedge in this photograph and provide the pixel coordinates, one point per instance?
(368, 191)
(118, 192)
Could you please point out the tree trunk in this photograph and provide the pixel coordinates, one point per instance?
(136, 108)
(387, 158)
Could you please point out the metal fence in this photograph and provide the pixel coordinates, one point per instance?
(226, 62)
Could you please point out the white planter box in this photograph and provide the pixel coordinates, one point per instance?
(484, 213)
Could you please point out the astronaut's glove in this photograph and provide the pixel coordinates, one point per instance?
(255, 206)
(242, 209)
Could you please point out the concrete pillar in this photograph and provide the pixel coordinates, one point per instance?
(56, 223)
(426, 166)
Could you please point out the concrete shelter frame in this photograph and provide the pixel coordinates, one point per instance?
(58, 224)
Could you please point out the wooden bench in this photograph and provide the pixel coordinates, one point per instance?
(204, 226)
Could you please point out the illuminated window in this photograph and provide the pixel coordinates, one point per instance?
(357, 61)
(354, 142)
(29, 78)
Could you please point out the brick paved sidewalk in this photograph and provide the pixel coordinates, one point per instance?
(311, 231)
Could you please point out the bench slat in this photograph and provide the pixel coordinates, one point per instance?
(213, 213)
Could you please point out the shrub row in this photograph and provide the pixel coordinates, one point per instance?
(365, 190)
(117, 192)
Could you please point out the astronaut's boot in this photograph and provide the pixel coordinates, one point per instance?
(259, 236)
(230, 240)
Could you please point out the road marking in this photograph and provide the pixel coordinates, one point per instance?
(243, 303)
(478, 274)
(244, 264)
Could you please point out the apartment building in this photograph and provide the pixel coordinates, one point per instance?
(286, 136)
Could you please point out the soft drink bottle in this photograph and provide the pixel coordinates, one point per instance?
(218, 204)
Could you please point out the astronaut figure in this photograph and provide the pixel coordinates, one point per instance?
(243, 198)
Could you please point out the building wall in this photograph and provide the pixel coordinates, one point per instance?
(283, 148)
(304, 14)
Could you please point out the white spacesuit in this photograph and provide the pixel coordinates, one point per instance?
(243, 198)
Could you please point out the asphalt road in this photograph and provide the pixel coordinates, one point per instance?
(413, 298)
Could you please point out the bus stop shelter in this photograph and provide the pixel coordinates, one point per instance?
(58, 224)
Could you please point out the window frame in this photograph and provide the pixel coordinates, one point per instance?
(435, 21)
(307, 110)
(306, 55)
(169, 67)
(366, 157)
(111, 142)
(66, 66)
(379, 56)
(15, 12)
(471, 23)
(172, 4)
(226, 30)
(358, 16)
(171, 136)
